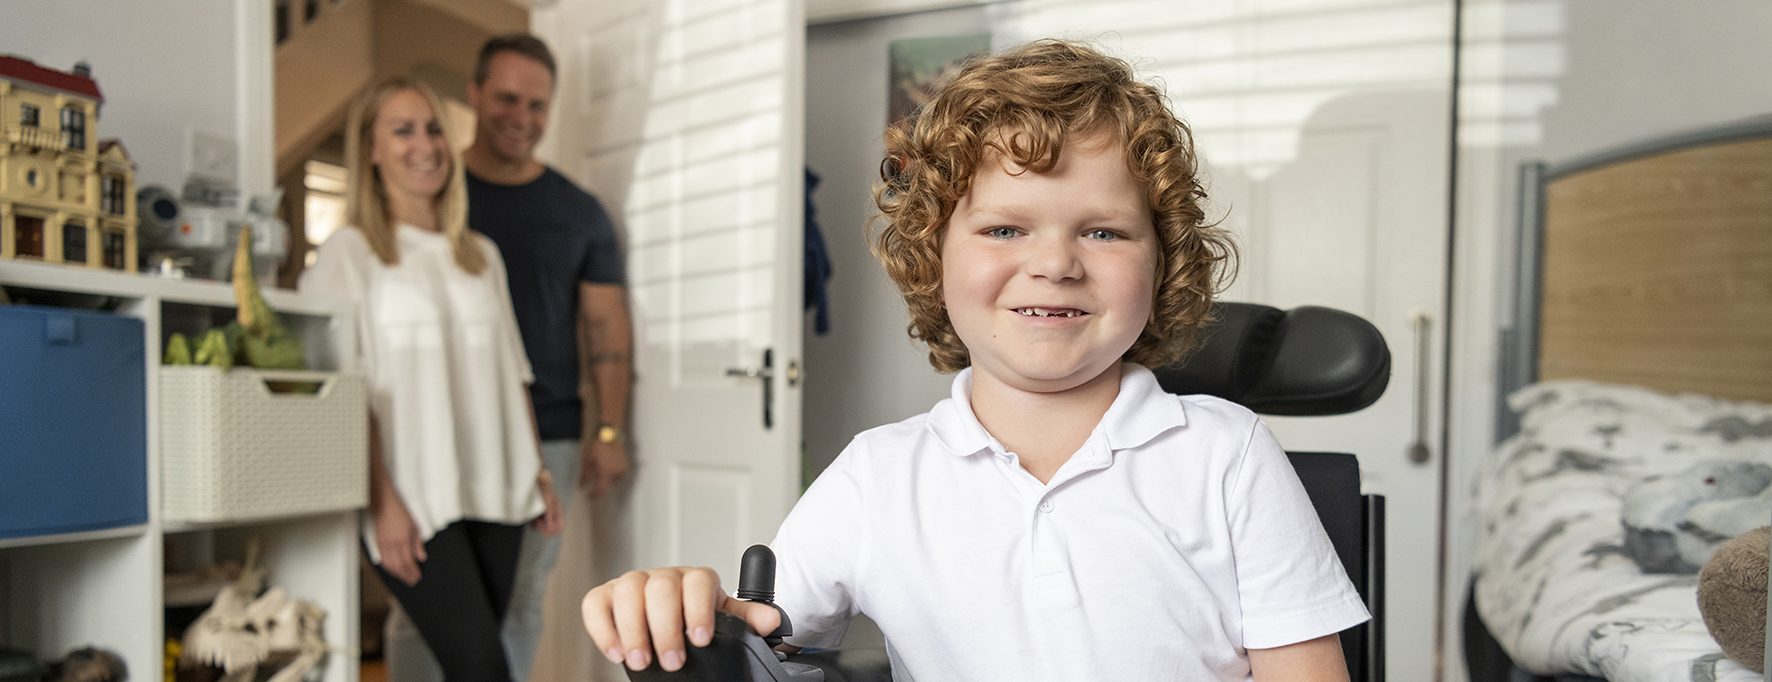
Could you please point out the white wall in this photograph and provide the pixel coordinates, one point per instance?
(1659, 68)
(866, 372)
(166, 68)
(1556, 80)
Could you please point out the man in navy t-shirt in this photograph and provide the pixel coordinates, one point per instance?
(564, 266)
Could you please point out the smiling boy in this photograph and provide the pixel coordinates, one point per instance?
(1059, 517)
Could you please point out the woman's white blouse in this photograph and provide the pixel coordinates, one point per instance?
(447, 375)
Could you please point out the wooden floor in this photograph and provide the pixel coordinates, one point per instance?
(373, 671)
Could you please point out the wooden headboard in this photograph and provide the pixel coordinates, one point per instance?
(1650, 265)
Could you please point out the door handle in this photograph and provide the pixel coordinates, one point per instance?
(766, 373)
(1418, 451)
(749, 372)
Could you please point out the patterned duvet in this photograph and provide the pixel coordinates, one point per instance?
(1555, 581)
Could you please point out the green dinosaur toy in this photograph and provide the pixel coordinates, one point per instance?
(264, 340)
(214, 350)
(178, 350)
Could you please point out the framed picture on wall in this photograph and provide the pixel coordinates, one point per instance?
(917, 64)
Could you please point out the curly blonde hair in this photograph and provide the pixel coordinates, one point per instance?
(1024, 104)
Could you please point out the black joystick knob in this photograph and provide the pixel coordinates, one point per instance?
(756, 582)
(756, 575)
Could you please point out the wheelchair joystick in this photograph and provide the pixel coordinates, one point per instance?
(737, 653)
(756, 583)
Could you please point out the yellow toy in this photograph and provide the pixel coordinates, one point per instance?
(265, 341)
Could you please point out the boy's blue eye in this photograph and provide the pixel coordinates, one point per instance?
(1102, 235)
(1000, 232)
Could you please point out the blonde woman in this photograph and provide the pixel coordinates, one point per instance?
(455, 472)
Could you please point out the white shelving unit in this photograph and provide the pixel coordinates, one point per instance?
(105, 588)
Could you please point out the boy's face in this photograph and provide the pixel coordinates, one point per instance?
(1048, 277)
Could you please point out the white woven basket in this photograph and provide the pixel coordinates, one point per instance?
(233, 450)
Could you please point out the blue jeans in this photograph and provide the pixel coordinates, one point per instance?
(409, 658)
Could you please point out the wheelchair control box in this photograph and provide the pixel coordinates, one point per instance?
(736, 654)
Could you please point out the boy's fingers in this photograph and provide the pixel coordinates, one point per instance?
(763, 618)
(701, 595)
(600, 623)
(643, 612)
(629, 609)
(664, 617)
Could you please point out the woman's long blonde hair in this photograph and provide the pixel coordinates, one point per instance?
(366, 202)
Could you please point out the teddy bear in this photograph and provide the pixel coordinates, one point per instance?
(1732, 598)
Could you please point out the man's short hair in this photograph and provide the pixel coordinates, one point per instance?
(521, 43)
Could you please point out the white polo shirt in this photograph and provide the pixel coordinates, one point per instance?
(1176, 538)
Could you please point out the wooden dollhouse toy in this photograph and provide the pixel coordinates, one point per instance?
(65, 196)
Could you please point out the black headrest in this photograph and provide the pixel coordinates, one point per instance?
(1307, 361)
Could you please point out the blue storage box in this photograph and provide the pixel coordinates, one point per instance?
(73, 421)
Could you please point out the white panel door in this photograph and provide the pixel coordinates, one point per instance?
(1325, 128)
(685, 118)
(1358, 222)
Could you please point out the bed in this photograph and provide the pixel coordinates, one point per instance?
(1637, 372)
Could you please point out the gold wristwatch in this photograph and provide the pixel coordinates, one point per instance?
(608, 433)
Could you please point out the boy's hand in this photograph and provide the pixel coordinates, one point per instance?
(640, 612)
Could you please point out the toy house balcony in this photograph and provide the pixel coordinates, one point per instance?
(40, 139)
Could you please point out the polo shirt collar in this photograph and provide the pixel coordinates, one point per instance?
(1140, 413)
(955, 425)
